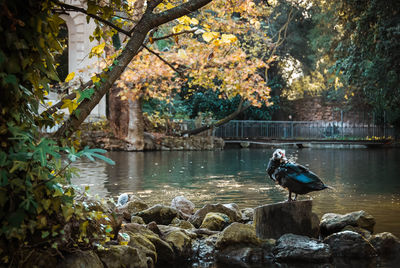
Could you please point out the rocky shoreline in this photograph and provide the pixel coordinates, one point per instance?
(178, 236)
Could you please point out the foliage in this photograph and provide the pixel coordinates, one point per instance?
(204, 52)
(36, 202)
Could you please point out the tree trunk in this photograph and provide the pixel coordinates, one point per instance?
(119, 114)
(135, 126)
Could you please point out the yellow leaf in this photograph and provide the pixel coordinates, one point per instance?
(228, 38)
(194, 21)
(180, 28)
(95, 79)
(208, 36)
(97, 50)
(182, 54)
(70, 76)
(184, 20)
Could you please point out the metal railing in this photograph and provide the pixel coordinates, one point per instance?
(299, 130)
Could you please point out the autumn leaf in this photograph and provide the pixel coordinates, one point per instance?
(228, 38)
(208, 36)
(97, 50)
(69, 77)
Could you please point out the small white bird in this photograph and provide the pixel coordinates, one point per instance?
(122, 199)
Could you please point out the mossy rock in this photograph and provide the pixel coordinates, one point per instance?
(215, 221)
(238, 233)
(117, 256)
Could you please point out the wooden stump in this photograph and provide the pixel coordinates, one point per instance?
(274, 220)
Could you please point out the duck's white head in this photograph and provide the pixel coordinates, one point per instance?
(279, 154)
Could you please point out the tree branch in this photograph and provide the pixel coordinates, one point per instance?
(163, 60)
(82, 10)
(71, 96)
(225, 120)
(173, 34)
(176, 12)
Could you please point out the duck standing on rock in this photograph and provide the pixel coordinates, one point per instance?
(296, 178)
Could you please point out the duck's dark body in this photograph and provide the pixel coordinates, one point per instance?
(296, 178)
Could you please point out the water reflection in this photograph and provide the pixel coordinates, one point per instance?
(363, 179)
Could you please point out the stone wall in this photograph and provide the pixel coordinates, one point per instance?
(105, 140)
(317, 109)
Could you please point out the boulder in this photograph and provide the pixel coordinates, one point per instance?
(200, 214)
(86, 258)
(159, 213)
(181, 224)
(131, 208)
(275, 220)
(164, 250)
(239, 234)
(137, 219)
(204, 249)
(183, 205)
(234, 207)
(365, 233)
(215, 221)
(332, 222)
(247, 214)
(143, 244)
(350, 244)
(181, 243)
(386, 244)
(291, 247)
(123, 256)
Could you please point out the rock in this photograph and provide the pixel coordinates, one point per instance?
(137, 219)
(85, 259)
(132, 207)
(33, 258)
(238, 233)
(181, 243)
(365, 233)
(181, 224)
(234, 207)
(182, 204)
(247, 214)
(123, 256)
(350, 245)
(204, 249)
(166, 229)
(215, 221)
(386, 244)
(143, 244)
(165, 253)
(159, 213)
(275, 220)
(332, 222)
(291, 247)
(198, 217)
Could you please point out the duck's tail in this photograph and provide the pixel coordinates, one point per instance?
(330, 187)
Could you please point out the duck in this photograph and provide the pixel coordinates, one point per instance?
(294, 177)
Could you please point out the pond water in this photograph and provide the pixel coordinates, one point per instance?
(367, 179)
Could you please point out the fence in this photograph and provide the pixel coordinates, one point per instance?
(300, 130)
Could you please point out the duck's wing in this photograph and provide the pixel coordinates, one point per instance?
(303, 175)
(272, 166)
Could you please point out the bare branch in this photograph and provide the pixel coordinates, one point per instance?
(82, 10)
(173, 34)
(163, 60)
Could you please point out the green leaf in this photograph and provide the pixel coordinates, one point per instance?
(86, 94)
(44, 148)
(45, 234)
